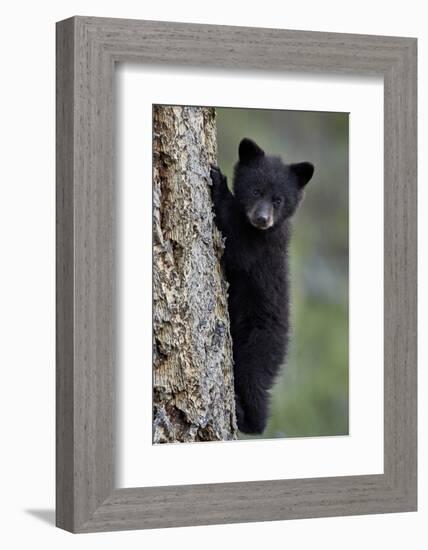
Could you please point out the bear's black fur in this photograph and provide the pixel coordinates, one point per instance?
(255, 222)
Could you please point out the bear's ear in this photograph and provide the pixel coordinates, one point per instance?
(249, 150)
(304, 171)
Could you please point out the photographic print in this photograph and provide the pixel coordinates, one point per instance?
(149, 346)
(250, 273)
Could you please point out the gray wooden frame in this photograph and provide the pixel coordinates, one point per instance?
(87, 50)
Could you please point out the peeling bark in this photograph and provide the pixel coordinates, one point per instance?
(193, 396)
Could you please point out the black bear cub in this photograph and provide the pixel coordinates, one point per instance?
(255, 222)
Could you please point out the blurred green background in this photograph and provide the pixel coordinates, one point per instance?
(310, 397)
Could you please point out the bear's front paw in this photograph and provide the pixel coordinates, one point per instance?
(219, 190)
(216, 175)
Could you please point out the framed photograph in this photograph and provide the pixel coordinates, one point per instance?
(236, 274)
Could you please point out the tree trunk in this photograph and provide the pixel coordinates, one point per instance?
(193, 395)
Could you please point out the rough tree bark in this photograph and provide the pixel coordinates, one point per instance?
(193, 396)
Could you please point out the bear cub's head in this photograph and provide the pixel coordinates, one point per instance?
(268, 190)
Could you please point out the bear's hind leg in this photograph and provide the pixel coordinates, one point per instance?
(252, 409)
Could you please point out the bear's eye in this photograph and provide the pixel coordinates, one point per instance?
(257, 193)
(277, 201)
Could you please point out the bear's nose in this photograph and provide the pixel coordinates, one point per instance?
(261, 219)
